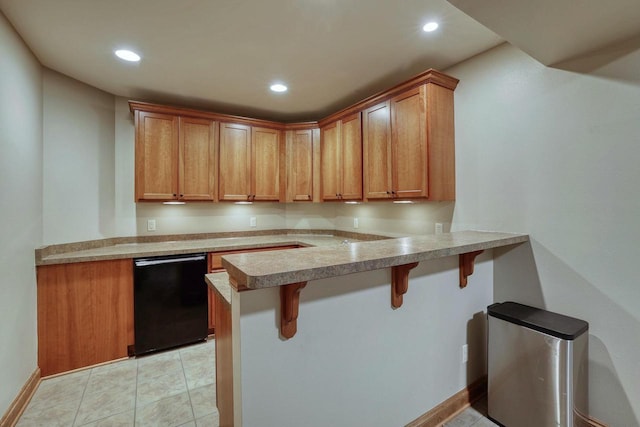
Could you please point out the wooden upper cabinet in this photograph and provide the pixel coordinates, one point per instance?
(175, 157)
(351, 140)
(251, 163)
(409, 144)
(341, 159)
(300, 164)
(409, 147)
(156, 156)
(267, 165)
(395, 144)
(198, 166)
(376, 141)
(330, 158)
(235, 162)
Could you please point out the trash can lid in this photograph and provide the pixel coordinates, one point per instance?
(557, 325)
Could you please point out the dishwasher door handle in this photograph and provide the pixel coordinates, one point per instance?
(148, 262)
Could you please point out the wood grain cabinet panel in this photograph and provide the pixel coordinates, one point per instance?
(266, 165)
(251, 163)
(197, 166)
(156, 156)
(408, 146)
(301, 169)
(377, 162)
(331, 161)
(85, 314)
(175, 157)
(341, 159)
(224, 361)
(351, 141)
(235, 162)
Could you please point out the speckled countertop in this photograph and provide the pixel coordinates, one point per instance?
(220, 282)
(136, 250)
(262, 270)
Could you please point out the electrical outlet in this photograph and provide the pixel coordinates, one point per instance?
(439, 228)
(253, 222)
(151, 225)
(355, 223)
(465, 353)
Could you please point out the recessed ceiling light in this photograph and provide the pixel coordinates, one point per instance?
(430, 26)
(278, 87)
(127, 55)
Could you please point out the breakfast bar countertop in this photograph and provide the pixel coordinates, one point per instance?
(264, 269)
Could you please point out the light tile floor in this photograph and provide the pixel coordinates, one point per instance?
(475, 416)
(174, 388)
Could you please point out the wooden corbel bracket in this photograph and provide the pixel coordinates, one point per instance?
(400, 282)
(466, 266)
(289, 303)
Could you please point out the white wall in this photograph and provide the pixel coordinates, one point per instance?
(394, 219)
(79, 161)
(355, 361)
(125, 207)
(20, 209)
(555, 154)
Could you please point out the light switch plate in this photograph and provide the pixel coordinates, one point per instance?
(356, 223)
(151, 225)
(439, 228)
(253, 222)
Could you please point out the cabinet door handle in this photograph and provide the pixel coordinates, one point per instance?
(174, 194)
(309, 196)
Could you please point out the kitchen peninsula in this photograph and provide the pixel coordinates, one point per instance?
(302, 335)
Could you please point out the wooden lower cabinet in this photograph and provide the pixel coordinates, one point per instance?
(212, 312)
(85, 314)
(224, 361)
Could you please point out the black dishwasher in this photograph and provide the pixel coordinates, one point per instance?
(170, 301)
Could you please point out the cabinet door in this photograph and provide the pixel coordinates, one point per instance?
(300, 171)
(330, 159)
(376, 142)
(85, 314)
(409, 143)
(156, 156)
(235, 162)
(197, 167)
(351, 142)
(266, 165)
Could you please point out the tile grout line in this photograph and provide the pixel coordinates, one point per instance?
(186, 383)
(84, 391)
(135, 393)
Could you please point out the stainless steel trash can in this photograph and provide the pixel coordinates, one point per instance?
(537, 367)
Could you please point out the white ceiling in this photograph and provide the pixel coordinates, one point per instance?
(223, 54)
(557, 31)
